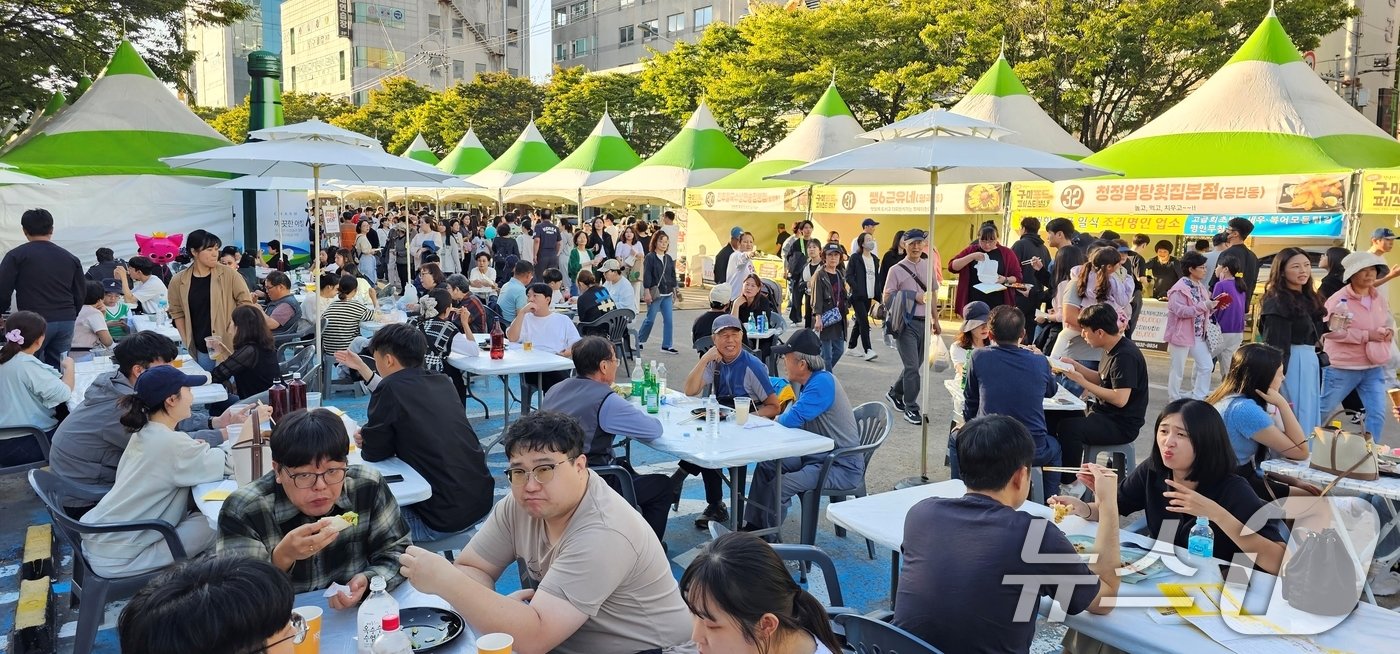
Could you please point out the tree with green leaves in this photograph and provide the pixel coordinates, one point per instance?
(495, 104)
(48, 44)
(388, 115)
(296, 108)
(574, 101)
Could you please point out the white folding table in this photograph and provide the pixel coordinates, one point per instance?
(516, 362)
(339, 627)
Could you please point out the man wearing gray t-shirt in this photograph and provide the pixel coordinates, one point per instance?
(602, 581)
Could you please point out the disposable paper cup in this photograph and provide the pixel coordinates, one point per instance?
(741, 410)
(494, 644)
(1395, 396)
(313, 399)
(234, 432)
(312, 643)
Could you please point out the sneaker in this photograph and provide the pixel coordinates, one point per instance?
(713, 513)
(870, 355)
(1076, 489)
(1358, 418)
(898, 403)
(913, 417)
(670, 350)
(639, 347)
(1384, 583)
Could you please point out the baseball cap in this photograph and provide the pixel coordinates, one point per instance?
(720, 293)
(802, 341)
(831, 247)
(868, 222)
(1382, 232)
(160, 382)
(611, 265)
(975, 314)
(725, 322)
(915, 235)
(736, 232)
(110, 285)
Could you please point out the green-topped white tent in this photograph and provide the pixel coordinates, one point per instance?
(699, 154)
(468, 158)
(828, 129)
(1000, 98)
(526, 158)
(57, 102)
(106, 148)
(602, 156)
(418, 150)
(1266, 112)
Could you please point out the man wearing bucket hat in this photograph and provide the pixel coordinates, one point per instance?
(821, 408)
(906, 285)
(1360, 342)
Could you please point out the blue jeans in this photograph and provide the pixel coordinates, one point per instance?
(58, 337)
(832, 351)
(662, 304)
(1368, 383)
(369, 267)
(419, 531)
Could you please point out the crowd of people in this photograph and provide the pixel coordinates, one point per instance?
(1033, 326)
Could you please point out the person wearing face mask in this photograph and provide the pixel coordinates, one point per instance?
(862, 276)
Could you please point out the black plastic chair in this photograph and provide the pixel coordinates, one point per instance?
(873, 421)
(617, 322)
(303, 331)
(623, 480)
(23, 431)
(808, 555)
(96, 591)
(703, 344)
(302, 360)
(870, 636)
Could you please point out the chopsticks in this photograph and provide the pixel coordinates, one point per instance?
(1060, 469)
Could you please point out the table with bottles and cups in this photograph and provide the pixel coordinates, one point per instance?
(87, 372)
(720, 436)
(159, 323)
(337, 631)
(1137, 624)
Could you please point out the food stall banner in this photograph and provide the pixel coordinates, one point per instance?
(905, 200)
(1380, 192)
(1242, 195)
(1285, 225)
(764, 200)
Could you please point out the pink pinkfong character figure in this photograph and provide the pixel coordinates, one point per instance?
(159, 247)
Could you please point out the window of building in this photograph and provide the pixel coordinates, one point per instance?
(513, 72)
(512, 3)
(626, 3)
(561, 52)
(513, 38)
(459, 70)
(457, 28)
(292, 78)
(579, 9)
(675, 23)
(366, 57)
(434, 23)
(342, 64)
(480, 68)
(292, 40)
(703, 17)
(580, 47)
(561, 17)
(650, 29)
(626, 34)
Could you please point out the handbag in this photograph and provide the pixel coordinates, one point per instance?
(1343, 453)
(249, 458)
(1321, 577)
(1215, 339)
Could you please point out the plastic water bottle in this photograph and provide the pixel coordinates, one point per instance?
(660, 379)
(712, 416)
(371, 616)
(1201, 542)
(163, 312)
(1340, 316)
(762, 323)
(392, 640)
(638, 382)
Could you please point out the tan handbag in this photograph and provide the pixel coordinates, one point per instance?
(251, 456)
(1344, 453)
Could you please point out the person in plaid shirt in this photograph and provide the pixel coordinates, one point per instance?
(284, 516)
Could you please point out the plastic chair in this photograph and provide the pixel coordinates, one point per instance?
(302, 360)
(618, 321)
(870, 636)
(703, 344)
(303, 331)
(873, 421)
(623, 479)
(21, 431)
(809, 555)
(87, 585)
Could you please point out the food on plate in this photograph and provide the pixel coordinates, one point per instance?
(1081, 548)
(1061, 510)
(1317, 193)
(343, 521)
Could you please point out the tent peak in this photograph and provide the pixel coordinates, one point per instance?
(999, 81)
(127, 61)
(1268, 43)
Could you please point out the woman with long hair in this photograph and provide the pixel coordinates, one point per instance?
(1052, 323)
(368, 253)
(1092, 283)
(451, 254)
(342, 318)
(581, 257)
(1229, 316)
(1191, 474)
(744, 601)
(155, 476)
(1360, 342)
(630, 254)
(31, 388)
(975, 334)
(987, 247)
(1333, 281)
(1257, 416)
(659, 280)
(599, 240)
(863, 277)
(252, 364)
(1189, 307)
(1290, 319)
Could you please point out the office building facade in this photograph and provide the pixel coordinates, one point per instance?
(606, 34)
(219, 76)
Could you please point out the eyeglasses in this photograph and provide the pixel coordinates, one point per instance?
(298, 633)
(308, 479)
(542, 474)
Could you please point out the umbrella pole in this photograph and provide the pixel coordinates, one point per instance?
(931, 312)
(316, 275)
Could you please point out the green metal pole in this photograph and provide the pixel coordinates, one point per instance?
(264, 110)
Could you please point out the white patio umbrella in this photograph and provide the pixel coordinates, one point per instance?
(936, 121)
(314, 129)
(8, 175)
(947, 154)
(329, 154)
(253, 183)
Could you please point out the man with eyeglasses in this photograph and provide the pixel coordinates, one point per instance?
(283, 517)
(215, 605)
(603, 583)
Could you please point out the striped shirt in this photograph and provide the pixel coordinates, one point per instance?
(256, 517)
(342, 324)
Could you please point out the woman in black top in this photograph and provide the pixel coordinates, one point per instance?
(593, 302)
(860, 271)
(1164, 270)
(891, 257)
(252, 365)
(1290, 319)
(504, 252)
(1332, 263)
(599, 240)
(1191, 474)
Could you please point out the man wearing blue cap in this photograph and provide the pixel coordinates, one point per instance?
(867, 226)
(1382, 241)
(722, 258)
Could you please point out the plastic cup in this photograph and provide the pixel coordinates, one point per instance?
(313, 399)
(312, 643)
(741, 410)
(178, 362)
(528, 346)
(1395, 396)
(495, 644)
